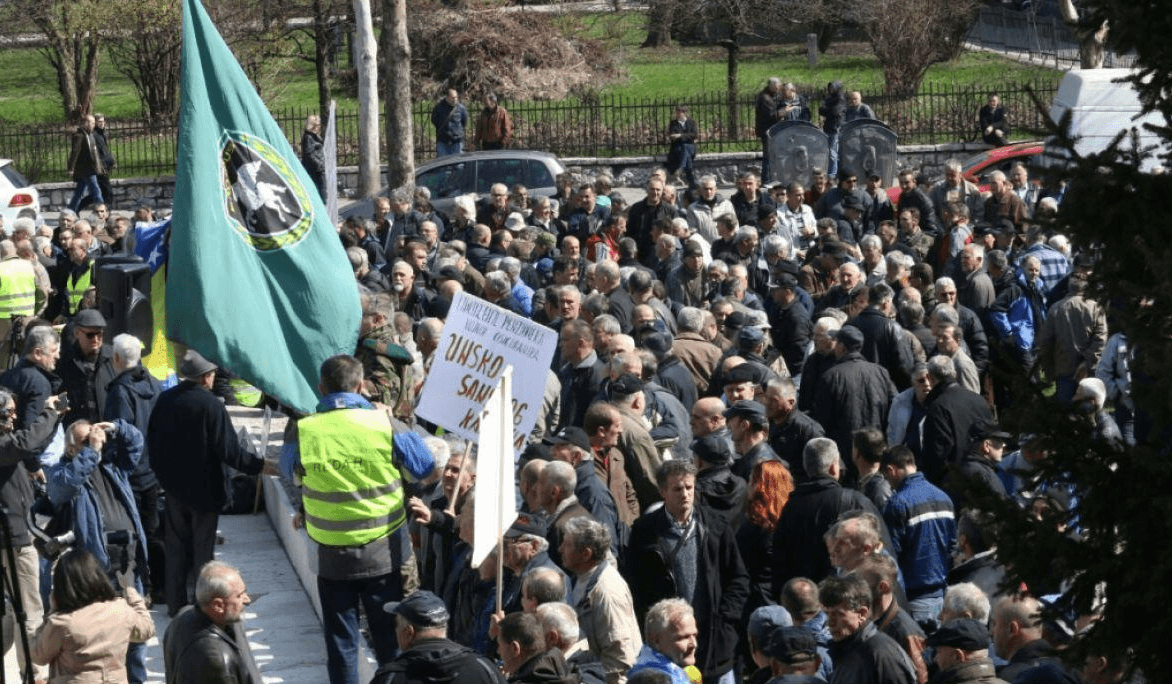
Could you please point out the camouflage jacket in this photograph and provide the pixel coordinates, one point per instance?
(388, 376)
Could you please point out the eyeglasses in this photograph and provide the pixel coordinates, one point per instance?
(91, 334)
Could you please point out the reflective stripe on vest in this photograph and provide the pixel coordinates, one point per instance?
(18, 288)
(351, 490)
(77, 290)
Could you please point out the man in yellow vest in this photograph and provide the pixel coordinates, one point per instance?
(79, 271)
(18, 287)
(352, 461)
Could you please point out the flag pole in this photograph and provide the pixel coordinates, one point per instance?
(504, 475)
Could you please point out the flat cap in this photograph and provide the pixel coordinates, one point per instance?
(748, 409)
(791, 645)
(422, 609)
(572, 435)
(850, 336)
(89, 318)
(194, 365)
(626, 384)
(713, 448)
(966, 634)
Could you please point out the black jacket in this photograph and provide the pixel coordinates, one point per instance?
(31, 385)
(885, 344)
(23, 446)
(798, 548)
(951, 413)
(789, 439)
(86, 382)
(545, 668)
(196, 651)
(722, 492)
(438, 661)
(983, 570)
(1029, 655)
(854, 393)
(870, 657)
(580, 385)
(131, 397)
(972, 474)
(790, 331)
(722, 584)
(190, 438)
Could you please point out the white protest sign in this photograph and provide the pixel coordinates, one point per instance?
(478, 341)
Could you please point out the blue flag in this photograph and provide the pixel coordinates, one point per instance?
(150, 243)
(258, 281)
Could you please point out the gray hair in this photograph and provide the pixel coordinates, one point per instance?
(775, 244)
(976, 249)
(401, 195)
(819, 455)
(707, 178)
(561, 474)
(586, 533)
(512, 267)
(997, 259)
(604, 322)
(439, 449)
(498, 282)
(953, 165)
(690, 319)
(358, 258)
(745, 233)
(40, 337)
(664, 614)
(215, 581)
(1095, 389)
(944, 281)
(967, 598)
(128, 348)
(871, 241)
(941, 369)
(775, 81)
(559, 617)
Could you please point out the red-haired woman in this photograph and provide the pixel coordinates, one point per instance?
(769, 489)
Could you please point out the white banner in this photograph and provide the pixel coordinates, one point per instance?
(478, 342)
(496, 505)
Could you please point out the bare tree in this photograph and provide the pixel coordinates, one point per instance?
(72, 38)
(908, 36)
(366, 57)
(1092, 40)
(400, 128)
(146, 50)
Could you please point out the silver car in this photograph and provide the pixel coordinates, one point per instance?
(450, 177)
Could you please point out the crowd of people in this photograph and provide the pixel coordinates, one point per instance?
(767, 428)
(766, 432)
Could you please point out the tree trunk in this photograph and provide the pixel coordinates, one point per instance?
(400, 126)
(659, 20)
(366, 53)
(733, 47)
(825, 35)
(323, 39)
(1092, 44)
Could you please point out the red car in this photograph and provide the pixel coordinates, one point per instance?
(977, 168)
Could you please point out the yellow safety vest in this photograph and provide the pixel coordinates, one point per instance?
(18, 288)
(77, 289)
(351, 490)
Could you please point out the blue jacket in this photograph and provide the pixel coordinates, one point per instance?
(920, 518)
(70, 484)
(449, 121)
(1017, 315)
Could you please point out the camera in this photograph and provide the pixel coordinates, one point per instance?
(62, 402)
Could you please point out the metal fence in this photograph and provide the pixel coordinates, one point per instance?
(1037, 32)
(604, 126)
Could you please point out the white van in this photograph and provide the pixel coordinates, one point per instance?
(1101, 106)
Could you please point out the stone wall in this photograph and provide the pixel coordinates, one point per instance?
(158, 193)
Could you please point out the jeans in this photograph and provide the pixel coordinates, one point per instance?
(444, 149)
(925, 610)
(340, 600)
(87, 186)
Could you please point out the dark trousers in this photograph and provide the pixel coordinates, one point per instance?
(190, 542)
(340, 601)
(147, 503)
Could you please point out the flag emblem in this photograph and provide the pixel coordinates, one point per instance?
(266, 204)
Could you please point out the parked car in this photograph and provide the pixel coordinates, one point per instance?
(18, 197)
(977, 168)
(449, 177)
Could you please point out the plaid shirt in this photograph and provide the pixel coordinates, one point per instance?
(1055, 266)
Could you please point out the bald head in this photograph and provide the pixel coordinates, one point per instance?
(707, 416)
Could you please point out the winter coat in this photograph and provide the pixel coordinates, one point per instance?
(23, 446)
(449, 121)
(788, 440)
(870, 657)
(606, 616)
(721, 492)
(548, 667)
(89, 644)
(975, 671)
(131, 397)
(196, 651)
(853, 394)
(70, 484)
(798, 547)
(885, 344)
(191, 438)
(973, 473)
(951, 414)
(1016, 316)
(832, 109)
(722, 584)
(86, 382)
(922, 524)
(85, 159)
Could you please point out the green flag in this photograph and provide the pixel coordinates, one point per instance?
(258, 282)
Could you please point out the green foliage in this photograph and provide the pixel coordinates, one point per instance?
(1120, 563)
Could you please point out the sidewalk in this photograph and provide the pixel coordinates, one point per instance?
(283, 629)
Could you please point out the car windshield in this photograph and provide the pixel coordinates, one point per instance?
(508, 171)
(448, 180)
(13, 176)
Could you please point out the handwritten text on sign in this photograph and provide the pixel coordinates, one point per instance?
(478, 341)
